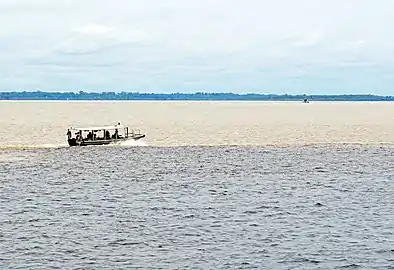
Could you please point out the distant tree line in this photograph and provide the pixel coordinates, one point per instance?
(81, 95)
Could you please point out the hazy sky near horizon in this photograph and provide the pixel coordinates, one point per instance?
(282, 46)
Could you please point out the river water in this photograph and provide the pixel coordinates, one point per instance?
(213, 186)
(44, 123)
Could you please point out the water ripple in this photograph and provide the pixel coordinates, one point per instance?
(198, 207)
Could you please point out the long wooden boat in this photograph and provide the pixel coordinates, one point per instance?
(101, 135)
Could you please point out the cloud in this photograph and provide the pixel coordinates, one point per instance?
(205, 45)
(309, 40)
(93, 29)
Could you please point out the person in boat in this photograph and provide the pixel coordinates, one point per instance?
(107, 135)
(116, 135)
(89, 136)
(78, 135)
(68, 134)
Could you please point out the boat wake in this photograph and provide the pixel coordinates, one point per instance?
(128, 143)
(31, 146)
(131, 143)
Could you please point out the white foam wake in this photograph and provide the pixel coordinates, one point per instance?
(132, 143)
(31, 146)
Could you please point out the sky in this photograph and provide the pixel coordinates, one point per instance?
(241, 46)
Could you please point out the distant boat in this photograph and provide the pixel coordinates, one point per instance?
(102, 135)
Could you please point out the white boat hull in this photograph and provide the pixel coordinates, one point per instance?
(74, 142)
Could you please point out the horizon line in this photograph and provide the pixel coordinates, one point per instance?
(189, 93)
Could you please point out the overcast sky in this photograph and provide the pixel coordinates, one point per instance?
(281, 46)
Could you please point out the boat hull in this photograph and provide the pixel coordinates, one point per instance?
(74, 142)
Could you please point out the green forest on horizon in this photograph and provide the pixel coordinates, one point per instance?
(198, 96)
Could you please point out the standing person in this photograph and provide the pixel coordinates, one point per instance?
(68, 133)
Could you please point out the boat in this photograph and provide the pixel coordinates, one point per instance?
(102, 135)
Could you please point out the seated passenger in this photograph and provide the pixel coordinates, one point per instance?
(116, 135)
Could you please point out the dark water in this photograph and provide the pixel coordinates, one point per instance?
(197, 208)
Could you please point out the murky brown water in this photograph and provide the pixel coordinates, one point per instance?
(33, 123)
